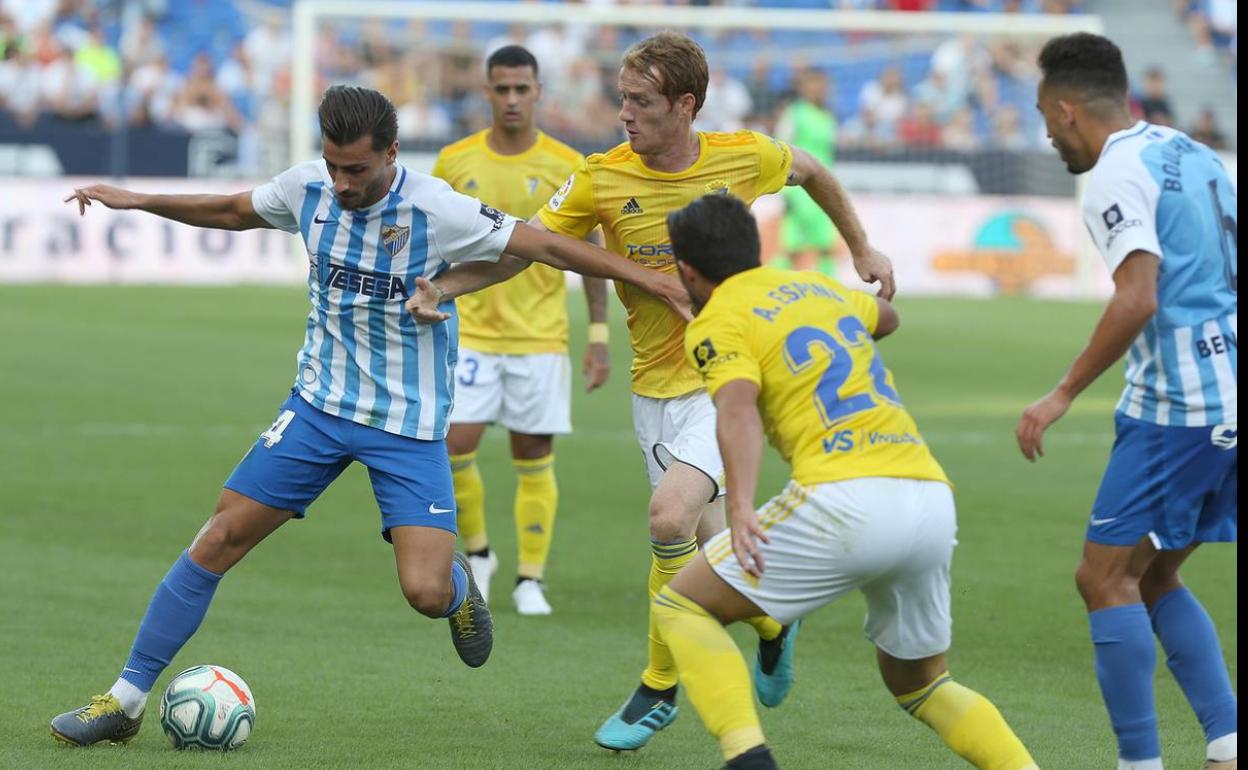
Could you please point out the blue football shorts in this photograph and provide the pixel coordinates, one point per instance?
(306, 449)
(1173, 485)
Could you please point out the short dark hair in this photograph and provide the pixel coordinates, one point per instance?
(1087, 64)
(511, 56)
(716, 235)
(350, 112)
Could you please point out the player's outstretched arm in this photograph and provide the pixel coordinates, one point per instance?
(221, 212)
(1133, 303)
(823, 188)
(739, 428)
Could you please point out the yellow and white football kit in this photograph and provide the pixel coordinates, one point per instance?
(513, 366)
(672, 415)
(868, 506)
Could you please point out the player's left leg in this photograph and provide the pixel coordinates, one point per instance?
(1193, 654)
(411, 481)
(537, 405)
(691, 613)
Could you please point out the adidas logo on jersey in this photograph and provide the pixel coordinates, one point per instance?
(632, 207)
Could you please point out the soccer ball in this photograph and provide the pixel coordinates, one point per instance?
(207, 707)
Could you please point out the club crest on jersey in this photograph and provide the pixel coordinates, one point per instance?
(717, 187)
(394, 238)
(531, 183)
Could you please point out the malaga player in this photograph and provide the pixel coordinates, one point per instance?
(1162, 211)
(371, 385)
(790, 354)
(513, 364)
(629, 191)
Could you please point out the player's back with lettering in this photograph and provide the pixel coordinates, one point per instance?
(1155, 189)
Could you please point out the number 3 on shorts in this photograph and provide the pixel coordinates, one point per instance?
(274, 434)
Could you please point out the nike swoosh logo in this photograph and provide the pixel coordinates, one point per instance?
(433, 509)
(320, 221)
(1099, 522)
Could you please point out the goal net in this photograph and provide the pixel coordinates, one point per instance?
(927, 118)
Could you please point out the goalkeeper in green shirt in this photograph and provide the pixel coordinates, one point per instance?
(807, 234)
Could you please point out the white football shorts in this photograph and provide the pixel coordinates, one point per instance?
(529, 393)
(678, 429)
(892, 539)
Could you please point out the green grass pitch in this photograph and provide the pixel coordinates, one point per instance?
(123, 409)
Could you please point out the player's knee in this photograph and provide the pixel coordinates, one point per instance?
(218, 546)
(1100, 585)
(670, 521)
(427, 597)
(1157, 583)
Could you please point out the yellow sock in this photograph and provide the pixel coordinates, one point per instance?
(470, 500)
(767, 628)
(537, 498)
(667, 559)
(712, 671)
(969, 724)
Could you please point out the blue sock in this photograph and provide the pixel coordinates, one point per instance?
(459, 584)
(175, 612)
(1125, 658)
(1195, 658)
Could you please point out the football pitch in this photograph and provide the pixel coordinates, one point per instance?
(123, 409)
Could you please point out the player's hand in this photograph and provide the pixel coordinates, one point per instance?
(746, 534)
(673, 292)
(111, 197)
(874, 266)
(1036, 419)
(423, 304)
(596, 366)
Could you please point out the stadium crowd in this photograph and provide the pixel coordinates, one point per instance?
(194, 65)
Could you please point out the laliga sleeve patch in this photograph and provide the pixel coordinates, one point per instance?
(704, 353)
(557, 199)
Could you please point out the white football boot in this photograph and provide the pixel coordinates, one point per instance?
(530, 598)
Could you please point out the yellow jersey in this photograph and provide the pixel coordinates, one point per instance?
(828, 404)
(631, 202)
(527, 314)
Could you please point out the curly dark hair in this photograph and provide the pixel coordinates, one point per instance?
(1087, 64)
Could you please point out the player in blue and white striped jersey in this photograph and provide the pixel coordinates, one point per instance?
(372, 385)
(1162, 211)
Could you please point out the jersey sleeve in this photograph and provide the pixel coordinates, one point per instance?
(1120, 212)
(274, 201)
(717, 347)
(465, 229)
(570, 211)
(439, 168)
(866, 308)
(775, 161)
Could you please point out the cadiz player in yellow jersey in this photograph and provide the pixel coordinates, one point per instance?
(513, 338)
(791, 354)
(629, 191)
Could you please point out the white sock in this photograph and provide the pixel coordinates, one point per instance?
(1139, 764)
(133, 700)
(1223, 749)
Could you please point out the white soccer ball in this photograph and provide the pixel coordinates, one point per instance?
(207, 707)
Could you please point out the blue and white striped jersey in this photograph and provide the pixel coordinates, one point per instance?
(1154, 189)
(364, 359)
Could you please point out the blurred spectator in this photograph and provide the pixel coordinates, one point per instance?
(939, 96)
(141, 45)
(201, 105)
(237, 80)
(150, 93)
(268, 49)
(864, 131)
(1206, 130)
(19, 85)
(1007, 130)
(960, 135)
(1154, 101)
(885, 99)
(29, 14)
(919, 127)
(727, 103)
(67, 90)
